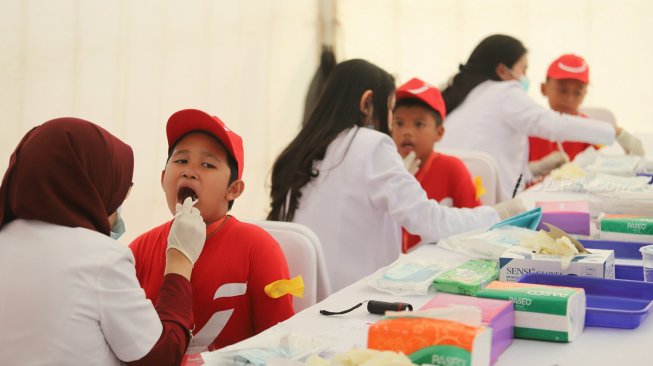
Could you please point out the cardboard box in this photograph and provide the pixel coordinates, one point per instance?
(572, 217)
(496, 314)
(549, 313)
(633, 228)
(517, 261)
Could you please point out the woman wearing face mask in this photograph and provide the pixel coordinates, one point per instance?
(69, 292)
(488, 110)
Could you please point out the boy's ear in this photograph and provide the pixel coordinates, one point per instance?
(543, 88)
(235, 190)
(439, 132)
(163, 174)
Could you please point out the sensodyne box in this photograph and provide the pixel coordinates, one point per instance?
(517, 261)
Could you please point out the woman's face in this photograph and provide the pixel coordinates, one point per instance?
(519, 68)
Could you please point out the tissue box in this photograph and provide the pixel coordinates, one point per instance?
(517, 261)
(432, 341)
(571, 217)
(496, 314)
(467, 278)
(626, 228)
(549, 313)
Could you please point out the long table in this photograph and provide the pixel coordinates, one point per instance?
(595, 346)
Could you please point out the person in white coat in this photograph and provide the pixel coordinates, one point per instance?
(348, 183)
(69, 291)
(489, 111)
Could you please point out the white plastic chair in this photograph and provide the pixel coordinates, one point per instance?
(482, 165)
(304, 255)
(601, 114)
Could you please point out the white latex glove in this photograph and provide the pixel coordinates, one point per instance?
(631, 144)
(412, 163)
(188, 231)
(544, 166)
(509, 208)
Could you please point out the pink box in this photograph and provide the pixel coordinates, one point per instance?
(572, 217)
(497, 314)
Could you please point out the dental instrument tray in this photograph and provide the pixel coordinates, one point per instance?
(611, 303)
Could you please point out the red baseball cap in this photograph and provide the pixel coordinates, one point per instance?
(427, 93)
(188, 120)
(569, 67)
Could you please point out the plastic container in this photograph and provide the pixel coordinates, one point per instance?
(622, 250)
(610, 303)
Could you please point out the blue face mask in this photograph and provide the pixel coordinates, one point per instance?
(523, 80)
(119, 227)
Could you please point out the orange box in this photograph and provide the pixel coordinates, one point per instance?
(434, 341)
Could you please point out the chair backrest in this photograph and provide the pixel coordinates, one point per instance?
(304, 255)
(602, 114)
(482, 165)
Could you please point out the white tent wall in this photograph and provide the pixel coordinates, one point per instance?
(127, 65)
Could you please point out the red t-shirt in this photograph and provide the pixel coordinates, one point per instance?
(539, 148)
(445, 179)
(229, 303)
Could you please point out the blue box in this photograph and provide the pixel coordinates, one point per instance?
(611, 303)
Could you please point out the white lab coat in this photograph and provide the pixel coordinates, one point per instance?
(498, 116)
(70, 297)
(361, 199)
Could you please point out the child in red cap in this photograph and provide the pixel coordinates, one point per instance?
(205, 162)
(566, 87)
(418, 116)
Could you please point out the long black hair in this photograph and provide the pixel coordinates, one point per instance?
(481, 66)
(337, 110)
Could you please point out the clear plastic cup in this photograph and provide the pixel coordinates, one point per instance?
(647, 262)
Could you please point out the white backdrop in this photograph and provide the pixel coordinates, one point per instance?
(127, 65)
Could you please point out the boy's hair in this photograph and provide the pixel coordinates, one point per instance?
(414, 102)
(231, 162)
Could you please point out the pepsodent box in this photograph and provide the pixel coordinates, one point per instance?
(549, 313)
(517, 261)
(432, 341)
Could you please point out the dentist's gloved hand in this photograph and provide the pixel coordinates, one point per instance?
(631, 144)
(509, 208)
(188, 231)
(412, 163)
(544, 166)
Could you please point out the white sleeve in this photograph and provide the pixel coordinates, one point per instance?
(393, 189)
(524, 115)
(128, 319)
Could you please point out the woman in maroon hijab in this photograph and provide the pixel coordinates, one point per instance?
(69, 292)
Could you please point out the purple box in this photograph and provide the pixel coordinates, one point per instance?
(496, 314)
(572, 217)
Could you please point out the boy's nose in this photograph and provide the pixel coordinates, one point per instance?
(189, 174)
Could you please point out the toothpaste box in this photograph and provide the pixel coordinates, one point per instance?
(517, 261)
(572, 217)
(549, 313)
(626, 228)
(496, 314)
(432, 341)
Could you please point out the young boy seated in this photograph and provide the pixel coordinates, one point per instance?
(565, 87)
(205, 162)
(417, 126)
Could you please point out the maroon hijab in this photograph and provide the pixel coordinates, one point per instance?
(67, 172)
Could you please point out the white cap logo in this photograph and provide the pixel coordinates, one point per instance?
(421, 89)
(574, 70)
